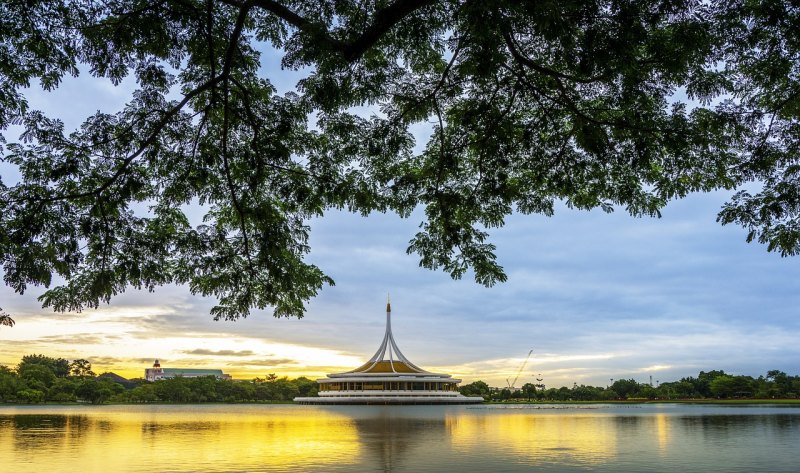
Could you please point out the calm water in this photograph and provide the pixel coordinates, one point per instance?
(597, 438)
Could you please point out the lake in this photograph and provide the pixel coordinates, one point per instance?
(545, 438)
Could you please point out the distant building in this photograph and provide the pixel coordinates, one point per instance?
(157, 372)
(388, 378)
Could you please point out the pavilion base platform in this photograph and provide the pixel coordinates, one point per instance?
(392, 399)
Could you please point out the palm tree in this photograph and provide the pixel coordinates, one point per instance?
(6, 319)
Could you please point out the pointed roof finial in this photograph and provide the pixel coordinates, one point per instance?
(388, 358)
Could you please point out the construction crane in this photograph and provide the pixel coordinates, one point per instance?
(510, 384)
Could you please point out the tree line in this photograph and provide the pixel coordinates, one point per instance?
(211, 389)
(715, 384)
(39, 378)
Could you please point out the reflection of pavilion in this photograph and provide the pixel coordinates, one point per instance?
(388, 378)
(400, 440)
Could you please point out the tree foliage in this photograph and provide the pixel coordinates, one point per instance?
(6, 319)
(476, 388)
(715, 384)
(529, 104)
(59, 367)
(81, 368)
(731, 386)
(40, 378)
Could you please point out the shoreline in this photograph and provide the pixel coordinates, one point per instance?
(496, 403)
(658, 401)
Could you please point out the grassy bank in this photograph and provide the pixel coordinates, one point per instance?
(662, 401)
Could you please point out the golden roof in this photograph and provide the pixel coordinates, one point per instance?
(386, 367)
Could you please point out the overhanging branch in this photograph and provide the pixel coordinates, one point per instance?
(385, 19)
(151, 139)
(528, 62)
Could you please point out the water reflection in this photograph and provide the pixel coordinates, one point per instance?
(391, 442)
(727, 428)
(40, 431)
(663, 432)
(392, 438)
(178, 440)
(572, 439)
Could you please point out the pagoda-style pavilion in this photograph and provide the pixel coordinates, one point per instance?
(388, 378)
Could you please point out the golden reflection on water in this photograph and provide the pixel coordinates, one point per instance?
(110, 439)
(179, 441)
(663, 433)
(539, 439)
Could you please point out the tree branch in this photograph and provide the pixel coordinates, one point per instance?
(212, 60)
(385, 20)
(439, 85)
(232, 46)
(526, 61)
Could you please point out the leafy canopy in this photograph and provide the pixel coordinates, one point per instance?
(530, 103)
(6, 319)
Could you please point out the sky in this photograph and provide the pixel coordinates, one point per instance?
(596, 297)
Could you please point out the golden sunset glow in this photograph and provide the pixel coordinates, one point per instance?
(539, 438)
(126, 341)
(99, 440)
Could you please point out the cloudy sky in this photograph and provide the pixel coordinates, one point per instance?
(595, 296)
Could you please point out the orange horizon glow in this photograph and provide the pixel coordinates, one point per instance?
(123, 340)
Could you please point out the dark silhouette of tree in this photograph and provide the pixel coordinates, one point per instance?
(6, 319)
(528, 104)
(529, 390)
(81, 368)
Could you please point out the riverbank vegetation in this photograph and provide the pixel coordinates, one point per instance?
(38, 379)
(42, 379)
(707, 385)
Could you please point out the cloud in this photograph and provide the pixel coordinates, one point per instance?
(325, 369)
(106, 360)
(20, 343)
(75, 339)
(147, 361)
(269, 362)
(189, 362)
(650, 369)
(203, 351)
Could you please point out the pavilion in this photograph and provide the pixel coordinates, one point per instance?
(388, 378)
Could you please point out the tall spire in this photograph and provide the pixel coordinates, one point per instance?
(388, 351)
